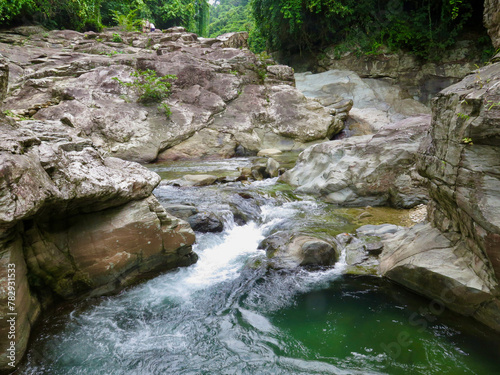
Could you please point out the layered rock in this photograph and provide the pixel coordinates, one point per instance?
(74, 223)
(460, 161)
(224, 97)
(419, 79)
(366, 170)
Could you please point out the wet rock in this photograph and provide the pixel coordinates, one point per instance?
(205, 222)
(259, 171)
(456, 259)
(181, 211)
(269, 152)
(272, 167)
(287, 250)
(76, 223)
(199, 179)
(422, 259)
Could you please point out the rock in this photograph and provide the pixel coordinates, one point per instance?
(374, 102)
(199, 179)
(181, 211)
(234, 40)
(288, 250)
(422, 259)
(205, 222)
(76, 223)
(4, 78)
(224, 96)
(410, 77)
(272, 167)
(492, 20)
(281, 73)
(269, 152)
(259, 172)
(455, 260)
(365, 170)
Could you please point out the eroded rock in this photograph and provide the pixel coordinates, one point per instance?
(224, 96)
(365, 170)
(75, 223)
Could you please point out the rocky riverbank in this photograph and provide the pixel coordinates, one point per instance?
(74, 224)
(225, 99)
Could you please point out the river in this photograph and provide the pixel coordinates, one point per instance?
(229, 314)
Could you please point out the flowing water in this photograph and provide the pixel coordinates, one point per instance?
(228, 315)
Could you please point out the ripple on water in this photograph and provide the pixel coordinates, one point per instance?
(222, 317)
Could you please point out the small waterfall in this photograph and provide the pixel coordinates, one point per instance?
(229, 314)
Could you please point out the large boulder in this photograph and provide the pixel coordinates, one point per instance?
(224, 97)
(367, 170)
(74, 223)
(370, 103)
(423, 260)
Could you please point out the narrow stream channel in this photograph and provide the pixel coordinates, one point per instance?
(227, 314)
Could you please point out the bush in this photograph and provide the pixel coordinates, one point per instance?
(117, 38)
(150, 87)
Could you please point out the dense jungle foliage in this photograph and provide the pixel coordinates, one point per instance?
(423, 27)
(83, 15)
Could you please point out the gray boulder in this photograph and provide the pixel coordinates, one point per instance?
(365, 170)
(288, 251)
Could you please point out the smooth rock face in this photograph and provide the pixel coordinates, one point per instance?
(424, 260)
(365, 170)
(418, 80)
(224, 97)
(75, 223)
(374, 102)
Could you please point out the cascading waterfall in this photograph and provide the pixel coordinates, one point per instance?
(227, 314)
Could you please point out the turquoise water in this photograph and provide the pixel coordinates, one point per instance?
(223, 315)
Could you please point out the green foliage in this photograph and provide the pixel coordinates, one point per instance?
(79, 15)
(423, 27)
(126, 22)
(467, 141)
(11, 9)
(117, 38)
(9, 113)
(235, 15)
(165, 109)
(192, 14)
(148, 85)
